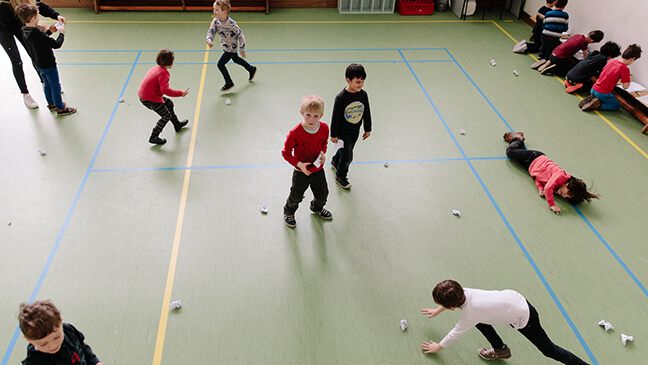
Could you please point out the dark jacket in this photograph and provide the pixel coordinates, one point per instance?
(10, 23)
(40, 46)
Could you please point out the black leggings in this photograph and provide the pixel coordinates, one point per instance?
(518, 152)
(9, 44)
(534, 332)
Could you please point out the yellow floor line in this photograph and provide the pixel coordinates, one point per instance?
(164, 315)
(562, 82)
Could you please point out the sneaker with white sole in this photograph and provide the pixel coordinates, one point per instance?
(521, 47)
(343, 182)
(290, 220)
(538, 64)
(324, 214)
(493, 354)
(29, 101)
(547, 67)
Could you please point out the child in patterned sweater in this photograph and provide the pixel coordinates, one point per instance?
(232, 41)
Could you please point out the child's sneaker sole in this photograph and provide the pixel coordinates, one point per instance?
(538, 64)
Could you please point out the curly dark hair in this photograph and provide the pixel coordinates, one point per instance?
(449, 294)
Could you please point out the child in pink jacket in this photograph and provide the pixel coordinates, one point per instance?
(549, 177)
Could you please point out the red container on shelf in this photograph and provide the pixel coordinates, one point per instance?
(415, 7)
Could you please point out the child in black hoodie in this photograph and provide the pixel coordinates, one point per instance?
(40, 45)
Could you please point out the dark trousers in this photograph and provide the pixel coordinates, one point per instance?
(563, 65)
(548, 45)
(164, 110)
(9, 44)
(518, 152)
(533, 332)
(226, 57)
(344, 156)
(537, 43)
(301, 182)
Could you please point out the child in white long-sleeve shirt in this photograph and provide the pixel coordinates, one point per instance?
(232, 41)
(487, 308)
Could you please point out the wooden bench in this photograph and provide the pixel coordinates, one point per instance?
(638, 109)
(178, 5)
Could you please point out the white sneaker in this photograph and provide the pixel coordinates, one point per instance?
(521, 47)
(29, 101)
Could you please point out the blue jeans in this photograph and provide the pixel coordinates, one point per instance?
(51, 86)
(608, 101)
(234, 57)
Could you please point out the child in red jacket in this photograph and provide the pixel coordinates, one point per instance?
(151, 93)
(305, 149)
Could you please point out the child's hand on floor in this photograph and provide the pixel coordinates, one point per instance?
(555, 209)
(541, 192)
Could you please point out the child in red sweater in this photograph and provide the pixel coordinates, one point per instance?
(549, 177)
(151, 93)
(615, 71)
(305, 149)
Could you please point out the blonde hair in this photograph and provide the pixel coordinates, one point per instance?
(224, 5)
(15, 3)
(312, 103)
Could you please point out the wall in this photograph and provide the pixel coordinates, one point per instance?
(621, 24)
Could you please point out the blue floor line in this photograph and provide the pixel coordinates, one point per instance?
(499, 211)
(612, 252)
(137, 169)
(57, 243)
(217, 50)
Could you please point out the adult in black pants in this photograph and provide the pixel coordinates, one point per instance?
(10, 30)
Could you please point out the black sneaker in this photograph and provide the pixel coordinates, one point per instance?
(252, 74)
(343, 182)
(324, 214)
(157, 140)
(181, 125)
(333, 164)
(290, 220)
(227, 87)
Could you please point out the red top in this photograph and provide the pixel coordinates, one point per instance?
(571, 46)
(156, 84)
(612, 72)
(548, 176)
(302, 146)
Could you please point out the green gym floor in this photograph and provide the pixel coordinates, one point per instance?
(112, 229)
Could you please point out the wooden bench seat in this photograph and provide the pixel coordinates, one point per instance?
(178, 5)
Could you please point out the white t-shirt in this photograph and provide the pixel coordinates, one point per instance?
(505, 308)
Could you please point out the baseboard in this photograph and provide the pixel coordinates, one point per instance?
(273, 4)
